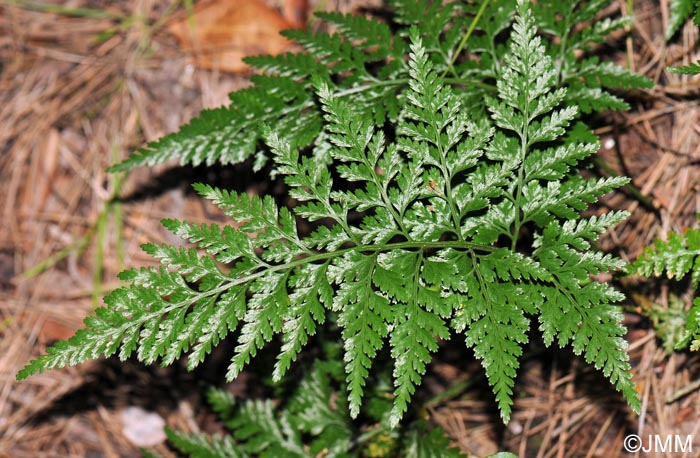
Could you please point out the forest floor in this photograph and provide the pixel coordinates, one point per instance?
(85, 82)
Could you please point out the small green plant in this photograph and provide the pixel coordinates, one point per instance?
(314, 421)
(669, 323)
(677, 257)
(438, 167)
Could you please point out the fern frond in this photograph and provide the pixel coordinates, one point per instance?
(416, 328)
(418, 234)
(607, 74)
(208, 139)
(680, 11)
(319, 413)
(265, 431)
(367, 63)
(589, 80)
(284, 96)
(312, 295)
(196, 445)
(420, 443)
(371, 36)
(222, 402)
(693, 327)
(692, 69)
(364, 315)
(312, 422)
(264, 434)
(677, 257)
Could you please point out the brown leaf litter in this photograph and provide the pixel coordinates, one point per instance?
(220, 33)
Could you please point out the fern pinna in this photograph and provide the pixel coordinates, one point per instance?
(677, 257)
(680, 11)
(419, 235)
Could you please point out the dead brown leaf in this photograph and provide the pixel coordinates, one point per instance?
(220, 33)
(53, 330)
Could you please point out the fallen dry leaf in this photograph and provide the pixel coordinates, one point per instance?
(221, 33)
(53, 331)
(684, 414)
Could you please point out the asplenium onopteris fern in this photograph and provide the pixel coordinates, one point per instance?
(365, 59)
(419, 234)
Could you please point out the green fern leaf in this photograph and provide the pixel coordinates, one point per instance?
(371, 36)
(367, 63)
(680, 11)
(202, 446)
(319, 413)
(588, 79)
(676, 257)
(312, 294)
(312, 422)
(692, 69)
(363, 316)
(419, 233)
(693, 326)
(420, 443)
(607, 74)
(208, 139)
(264, 431)
(264, 434)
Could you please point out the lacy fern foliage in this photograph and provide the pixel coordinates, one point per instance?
(312, 422)
(681, 10)
(366, 61)
(454, 221)
(677, 257)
